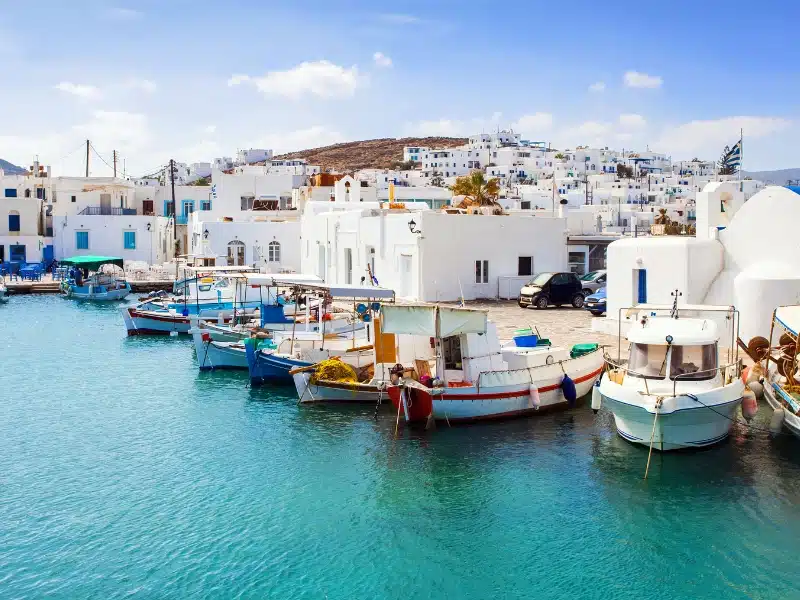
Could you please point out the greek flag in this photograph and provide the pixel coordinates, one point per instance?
(733, 158)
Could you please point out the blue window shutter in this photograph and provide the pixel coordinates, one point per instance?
(129, 238)
(82, 240)
(13, 222)
(11, 193)
(642, 286)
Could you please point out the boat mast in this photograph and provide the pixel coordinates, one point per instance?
(439, 347)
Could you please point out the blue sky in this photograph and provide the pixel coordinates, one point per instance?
(194, 79)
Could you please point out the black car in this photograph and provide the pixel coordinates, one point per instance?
(552, 288)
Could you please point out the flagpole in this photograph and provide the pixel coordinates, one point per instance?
(741, 152)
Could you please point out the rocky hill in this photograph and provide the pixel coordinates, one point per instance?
(779, 177)
(368, 154)
(10, 169)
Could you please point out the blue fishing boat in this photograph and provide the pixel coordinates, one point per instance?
(88, 281)
(266, 366)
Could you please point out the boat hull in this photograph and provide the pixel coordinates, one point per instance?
(213, 355)
(147, 322)
(331, 391)
(511, 395)
(87, 293)
(267, 367)
(683, 421)
(790, 420)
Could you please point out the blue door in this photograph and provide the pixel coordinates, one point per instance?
(17, 252)
(642, 286)
(48, 255)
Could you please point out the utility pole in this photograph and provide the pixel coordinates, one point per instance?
(87, 158)
(114, 159)
(174, 215)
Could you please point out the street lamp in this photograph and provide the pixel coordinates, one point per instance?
(412, 226)
(205, 234)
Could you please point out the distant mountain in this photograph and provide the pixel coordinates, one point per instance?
(10, 169)
(368, 154)
(779, 177)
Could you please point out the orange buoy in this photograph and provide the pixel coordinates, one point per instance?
(745, 373)
(749, 405)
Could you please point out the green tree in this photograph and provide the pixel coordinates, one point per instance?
(477, 191)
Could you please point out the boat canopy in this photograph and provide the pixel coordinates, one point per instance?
(789, 318)
(420, 319)
(274, 279)
(92, 263)
(360, 292)
(684, 331)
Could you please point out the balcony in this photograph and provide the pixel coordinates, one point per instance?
(108, 211)
(182, 219)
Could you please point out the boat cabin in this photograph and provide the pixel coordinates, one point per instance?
(665, 348)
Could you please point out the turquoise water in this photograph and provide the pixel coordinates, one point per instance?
(125, 472)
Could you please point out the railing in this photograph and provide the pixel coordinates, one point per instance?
(108, 211)
(182, 219)
(681, 376)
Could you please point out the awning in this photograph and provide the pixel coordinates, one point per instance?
(420, 319)
(789, 318)
(92, 263)
(281, 279)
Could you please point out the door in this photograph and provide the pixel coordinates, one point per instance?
(348, 265)
(560, 289)
(17, 253)
(405, 276)
(105, 204)
(147, 208)
(640, 281)
(48, 255)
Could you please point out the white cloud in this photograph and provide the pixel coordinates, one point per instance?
(632, 121)
(635, 79)
(145, 85)
(116, 130)
(598, 86)
(210, 129)
(382, 60)
(707, 138)
(321, 78)
(592, 128)
(87, 92)
(398, 19)
(440, 127)
(123, 14)
(534, 123)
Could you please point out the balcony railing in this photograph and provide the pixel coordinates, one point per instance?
(182, 219)
(107, 210)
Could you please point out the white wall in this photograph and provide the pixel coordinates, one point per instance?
(106, 237)
(256, 236)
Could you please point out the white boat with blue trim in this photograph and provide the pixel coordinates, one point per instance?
(672, 392)
(89, 281)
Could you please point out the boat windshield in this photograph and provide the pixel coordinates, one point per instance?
(694, 363)
(648, 361)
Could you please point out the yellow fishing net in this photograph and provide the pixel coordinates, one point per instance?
(334, 369)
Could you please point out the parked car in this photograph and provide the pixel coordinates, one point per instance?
(593, 281)
(596, 303)
(552, 288)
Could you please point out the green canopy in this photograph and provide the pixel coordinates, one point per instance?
(93, 263)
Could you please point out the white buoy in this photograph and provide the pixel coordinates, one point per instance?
(173, 333)
(597, 398)
(757, 388)
(534, 400)
(776, 421)
(754, 373)
(749, 404)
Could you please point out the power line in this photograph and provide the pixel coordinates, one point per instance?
(100, 157)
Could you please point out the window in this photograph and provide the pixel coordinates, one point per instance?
(40, 193)
(147, 207)
(525, 265)
(693, 362)
(11, 193)
(274, 252)
(81, 240)
(247, 202)
(205, 205)
(577, 262)
(129, 240)
(27, 193)
(13, 220)
(648, 361)
(348, 265)
(72, 198)
(481, 271)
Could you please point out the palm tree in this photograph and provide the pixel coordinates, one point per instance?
(476, 190)
(662, 218)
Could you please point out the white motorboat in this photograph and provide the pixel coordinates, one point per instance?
(782, 382)
(672, 392)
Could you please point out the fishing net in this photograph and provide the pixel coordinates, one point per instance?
(334, 369)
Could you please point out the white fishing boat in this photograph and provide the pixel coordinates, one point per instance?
(3, 292)
(781, 385)
(88, 280)
(676, 389)
(472, 377)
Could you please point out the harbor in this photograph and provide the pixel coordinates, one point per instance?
(127, 471)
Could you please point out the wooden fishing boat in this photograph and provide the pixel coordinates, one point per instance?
(474, 378)
(89, 282)
(781, 383)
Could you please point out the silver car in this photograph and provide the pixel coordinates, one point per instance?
(593, 281)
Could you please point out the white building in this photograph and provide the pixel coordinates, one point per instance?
(24, 236)
(253, 155)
